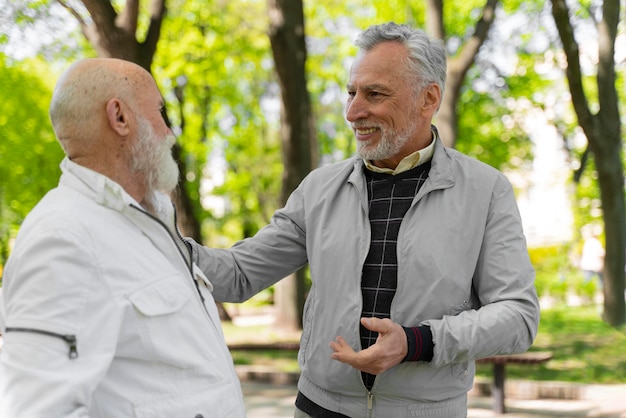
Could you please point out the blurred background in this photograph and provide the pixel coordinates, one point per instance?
(255, 92)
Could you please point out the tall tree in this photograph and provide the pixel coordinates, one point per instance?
(116, 34)
(287, 37)
(603, 132)
(447, 117)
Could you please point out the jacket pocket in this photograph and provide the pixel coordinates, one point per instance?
(160, 298)
(460, 371)
(307, 325)
(68, 338)
(174, 328)
(223, 401)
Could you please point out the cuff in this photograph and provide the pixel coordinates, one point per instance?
(420, 343)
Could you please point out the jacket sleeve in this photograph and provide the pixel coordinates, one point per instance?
(255, 263)
(507, 316)
(51, 294)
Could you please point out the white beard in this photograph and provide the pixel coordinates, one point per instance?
(154, 159)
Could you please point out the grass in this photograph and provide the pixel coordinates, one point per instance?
(282, 360)
(584, 348)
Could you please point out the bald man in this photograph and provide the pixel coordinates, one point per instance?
(105, 313)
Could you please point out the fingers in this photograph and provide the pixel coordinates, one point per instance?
(340, 345)
(388, 351)
(377, 324)
(369, 360)
(343, 352)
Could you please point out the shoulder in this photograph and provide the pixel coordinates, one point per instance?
(466, 169)
(471, 164)
(334, 173)
(335, 168)
(62, 215)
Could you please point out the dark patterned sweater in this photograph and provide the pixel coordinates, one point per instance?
(389, 197)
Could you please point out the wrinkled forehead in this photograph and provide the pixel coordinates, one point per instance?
(384, 63)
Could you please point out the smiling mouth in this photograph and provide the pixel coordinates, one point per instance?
(365, 131)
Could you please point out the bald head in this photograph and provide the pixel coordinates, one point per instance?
(107, 115)
(77, 109)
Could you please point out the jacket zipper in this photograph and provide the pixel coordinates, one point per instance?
(180, 251)
(151, 216)
(69, 339)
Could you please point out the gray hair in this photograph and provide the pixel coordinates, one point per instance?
(427, 56)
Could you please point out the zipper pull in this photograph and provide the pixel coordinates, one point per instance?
(370, 400)
(71, 341)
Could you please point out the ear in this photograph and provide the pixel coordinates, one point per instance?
(117, 116)
(432, 98)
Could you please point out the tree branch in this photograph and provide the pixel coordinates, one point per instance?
(434, 19)
(573, 72)
(73, 12)
(103, 15)
(148, 47)
(578, 173)
(127, 20)
(465, 59)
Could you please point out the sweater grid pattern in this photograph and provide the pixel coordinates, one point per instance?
(389, 198)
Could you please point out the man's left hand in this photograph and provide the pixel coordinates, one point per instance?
(390, 347)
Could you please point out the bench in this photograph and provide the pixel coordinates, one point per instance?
(499, 362)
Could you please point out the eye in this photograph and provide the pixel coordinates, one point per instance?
(163, 112)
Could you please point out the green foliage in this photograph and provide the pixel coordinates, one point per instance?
(554, 269)
(503, 88)
(490, 132)
(585, 349)
(214, 68)
(41, 27)
(29, 152)
(282, 360)
(460, 17)
(587, 203)
(401, 11)
(531, 7)
(330, 49)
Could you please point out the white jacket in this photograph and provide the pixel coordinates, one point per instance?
(105, 314)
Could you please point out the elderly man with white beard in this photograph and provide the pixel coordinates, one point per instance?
(105, 313)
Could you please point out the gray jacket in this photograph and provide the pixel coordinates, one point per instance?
(463, 270)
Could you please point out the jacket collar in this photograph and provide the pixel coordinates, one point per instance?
(105, 191)
(440, 175)
(94, 185)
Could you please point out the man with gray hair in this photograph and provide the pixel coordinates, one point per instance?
(105, 313)
(417, 256)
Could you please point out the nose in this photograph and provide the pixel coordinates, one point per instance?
(356, 108)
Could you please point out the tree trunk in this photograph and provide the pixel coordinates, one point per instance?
(603, 131)
(447, 117)
(286, 33)
(114, 36)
